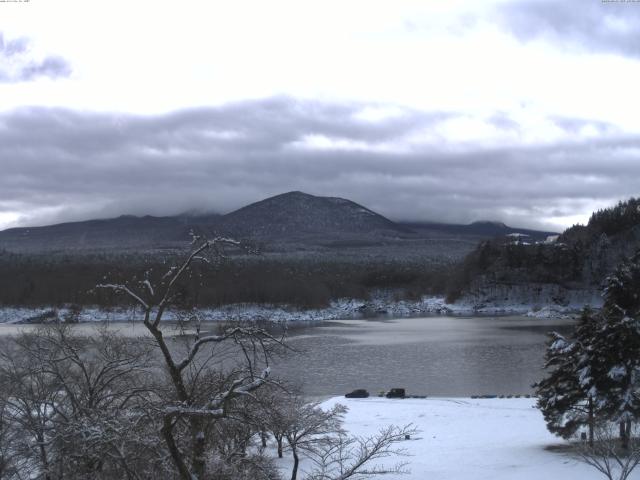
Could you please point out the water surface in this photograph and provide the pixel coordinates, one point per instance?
(436, 356)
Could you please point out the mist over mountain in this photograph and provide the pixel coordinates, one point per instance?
(289, 222)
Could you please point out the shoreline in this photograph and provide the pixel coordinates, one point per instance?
(379, 306)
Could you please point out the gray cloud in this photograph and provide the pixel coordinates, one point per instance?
(594, 25)
(59, 164)
(17, 64)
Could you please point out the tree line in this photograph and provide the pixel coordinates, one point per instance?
(55, 280)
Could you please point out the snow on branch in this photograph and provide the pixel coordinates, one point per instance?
(236, 333)
(239, 388)
(216, 407)
(124, 289)
(175, 273)
(194, 412)
(147, 284)
(181, 365)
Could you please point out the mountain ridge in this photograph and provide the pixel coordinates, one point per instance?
(291, 217)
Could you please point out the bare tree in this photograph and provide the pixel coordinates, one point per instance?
(307, 427)
(318, 435)
(346, 457)
(75, 405)
(197, 398)
(273, 415)
(612, 457)
(9, 463)
(28, 411)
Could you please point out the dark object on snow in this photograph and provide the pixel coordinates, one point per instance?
(396, 393)
(359, 393)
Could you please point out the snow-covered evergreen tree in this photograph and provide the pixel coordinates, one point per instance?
(616, 347)
(622, 290)
(565, 396)
(594, 376)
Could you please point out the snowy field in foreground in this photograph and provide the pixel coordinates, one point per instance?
(466, 439)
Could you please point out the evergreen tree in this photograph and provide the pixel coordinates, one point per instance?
(565, 396)
(622, 290)
(616, 347)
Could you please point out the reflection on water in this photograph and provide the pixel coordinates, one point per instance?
(449, 356)
(438, 356)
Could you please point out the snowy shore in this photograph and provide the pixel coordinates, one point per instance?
(463, 439)
(339, 309)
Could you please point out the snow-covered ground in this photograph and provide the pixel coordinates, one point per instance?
(467, 439)
(381, 304)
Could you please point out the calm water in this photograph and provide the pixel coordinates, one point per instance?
(448, 356)
(436, 356)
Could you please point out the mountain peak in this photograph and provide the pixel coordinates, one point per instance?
(293, 196)
(294, 193)
(491, 223)
(297, 213)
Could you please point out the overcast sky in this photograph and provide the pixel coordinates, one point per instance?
(520, 111)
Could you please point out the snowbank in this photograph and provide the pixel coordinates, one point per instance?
(464, 439)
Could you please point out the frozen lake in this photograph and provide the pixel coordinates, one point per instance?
(435, 356)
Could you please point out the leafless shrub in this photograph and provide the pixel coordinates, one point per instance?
(341, 457)
(609, 455)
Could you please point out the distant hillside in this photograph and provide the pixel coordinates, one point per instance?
(480, 229)
(123, 233)
(289, 222)
(569, 270)
(313, 249)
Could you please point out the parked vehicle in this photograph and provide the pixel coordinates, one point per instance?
(396, 393)
(359, 393)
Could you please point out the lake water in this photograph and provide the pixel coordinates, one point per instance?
(435, 356)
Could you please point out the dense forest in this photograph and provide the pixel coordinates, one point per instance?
(35, 280)
(581, 257)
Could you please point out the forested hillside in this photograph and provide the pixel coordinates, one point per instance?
(305, 250)
(573, 266)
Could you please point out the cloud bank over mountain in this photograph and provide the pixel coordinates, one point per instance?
(62, 164)
(519, 111)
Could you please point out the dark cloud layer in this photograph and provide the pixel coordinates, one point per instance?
(593, 25)
(17, 65)
(64, 164)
